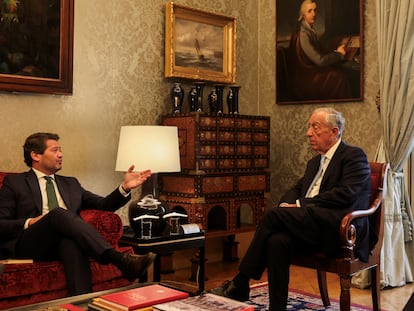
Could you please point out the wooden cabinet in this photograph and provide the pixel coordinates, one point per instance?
(225, 180)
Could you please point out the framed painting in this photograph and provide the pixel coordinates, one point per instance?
(319, 51)
(36, 46)
(199, 45)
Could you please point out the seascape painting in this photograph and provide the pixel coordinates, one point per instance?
(198, 45)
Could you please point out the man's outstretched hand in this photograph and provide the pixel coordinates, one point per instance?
(134, 179)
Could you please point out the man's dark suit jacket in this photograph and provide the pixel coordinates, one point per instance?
(346, 186)
(20, 198)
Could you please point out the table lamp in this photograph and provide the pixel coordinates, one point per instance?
(148, 147)
(153, 147)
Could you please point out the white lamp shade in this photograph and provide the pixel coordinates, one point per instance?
(148, 147)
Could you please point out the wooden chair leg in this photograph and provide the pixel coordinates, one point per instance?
(345, 299)
(375, 288)
(323, 288)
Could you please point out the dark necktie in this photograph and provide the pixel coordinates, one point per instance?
(52, 201)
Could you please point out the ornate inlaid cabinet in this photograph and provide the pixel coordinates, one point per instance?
(224, 180)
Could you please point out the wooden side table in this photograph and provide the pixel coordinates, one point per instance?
(166, 245)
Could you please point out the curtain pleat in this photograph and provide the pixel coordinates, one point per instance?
(395, 26)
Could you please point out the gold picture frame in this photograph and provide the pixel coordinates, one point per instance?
(38, 38)
(199, 45)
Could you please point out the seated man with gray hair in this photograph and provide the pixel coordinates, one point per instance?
(307, 218)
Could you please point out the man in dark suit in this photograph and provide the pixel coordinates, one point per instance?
(308, 216)
(43, 226)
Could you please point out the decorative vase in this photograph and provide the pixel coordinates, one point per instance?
(150, 207)
(230, 102)
(219, 92)
(192, 98)
(177, 96)
(233, 99)
(199, 103)
(212, 101)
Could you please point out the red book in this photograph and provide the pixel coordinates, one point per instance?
(71, 307)
(141, 297)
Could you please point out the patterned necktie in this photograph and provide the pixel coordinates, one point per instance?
(315, 185)
(52, 201)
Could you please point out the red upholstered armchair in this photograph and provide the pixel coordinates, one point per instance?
(22, 284)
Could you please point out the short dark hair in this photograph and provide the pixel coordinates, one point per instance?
(37, 143)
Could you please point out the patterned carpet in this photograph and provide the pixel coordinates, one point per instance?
(297, 301)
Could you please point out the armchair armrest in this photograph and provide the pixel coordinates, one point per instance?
(347, 231)
(108, 224)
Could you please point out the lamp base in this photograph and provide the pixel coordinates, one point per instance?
(150, 186)
(150, 207)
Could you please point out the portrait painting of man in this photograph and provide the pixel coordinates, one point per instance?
(319, 51)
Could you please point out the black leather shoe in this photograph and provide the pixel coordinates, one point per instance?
(228, 289)
(134, 266)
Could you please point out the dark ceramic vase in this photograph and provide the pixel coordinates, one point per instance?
(192, 98)
(147, 206)
(219, 92)
(233, 99)
(212, 101)
(199, 103)
(177, 96)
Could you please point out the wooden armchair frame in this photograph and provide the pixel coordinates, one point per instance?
(347, 265)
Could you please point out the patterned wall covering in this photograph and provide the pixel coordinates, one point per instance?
(118, 80)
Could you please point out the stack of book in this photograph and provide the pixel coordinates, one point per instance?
(140, 298)
(204, 302)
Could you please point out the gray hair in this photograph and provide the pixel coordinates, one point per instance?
(333, 119)
(303, 8)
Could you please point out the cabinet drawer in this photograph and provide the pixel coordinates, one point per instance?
(212, 143)
(251, 183)
(217, 185)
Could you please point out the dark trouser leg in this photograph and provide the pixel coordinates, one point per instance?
(280, 247)
(284, 230)
(295, 222)
(77, 268)
(62, 235)
(40, 241)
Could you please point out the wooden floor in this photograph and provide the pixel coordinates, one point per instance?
(301, 279)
